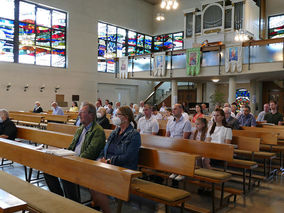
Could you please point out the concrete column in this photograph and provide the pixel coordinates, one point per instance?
(199, 93)
(232, 90)
(210, 90)
(259, 102)
(252, 96)
(174, 92)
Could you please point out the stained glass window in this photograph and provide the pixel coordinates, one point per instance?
(111, 32)
(140, 40)
(131, 50)
(27, 12)
(178, 41)
(148, 42)
(242, 97)
(111, 66)
(7, 8)
(101, 31)
(131, 38)
(39, 41)
(121, 50)
(158, 42)
(171, 41)
(102, 47)
(168, 41)
(111, 49)
(121, 35)
(276, 26)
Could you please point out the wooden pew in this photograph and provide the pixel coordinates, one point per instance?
(166, 161)
(56, 118)
(37, 199)
(107, 179)
(64, 128)
(25, 119)
(162, 124)
(10, 203)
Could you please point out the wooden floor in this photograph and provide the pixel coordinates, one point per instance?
(268, 198)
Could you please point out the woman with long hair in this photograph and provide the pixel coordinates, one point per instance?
(198, 114)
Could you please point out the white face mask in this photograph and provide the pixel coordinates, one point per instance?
(99, 115)
(116, 121)
(1, 120)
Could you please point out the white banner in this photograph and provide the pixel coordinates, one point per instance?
(234, 59)
(123, 67)
(159, 64)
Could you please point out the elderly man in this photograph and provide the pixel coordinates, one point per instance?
(231, 121)
(8, 129)
(273, 116)
(88, 142)
(148, 124)
(246, 118)
(37, 108)
(141, 107)
(56, 110)
(261, 115)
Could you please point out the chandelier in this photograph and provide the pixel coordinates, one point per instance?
(242, 35)
(160, 17)
(169, 4)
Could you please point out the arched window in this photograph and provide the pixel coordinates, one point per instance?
(212, 17)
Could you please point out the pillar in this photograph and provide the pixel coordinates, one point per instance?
(232, 90)
(199, 93)
(252, 95)
(174, 92)
(210, 90)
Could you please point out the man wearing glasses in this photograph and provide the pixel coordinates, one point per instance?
(247, 119)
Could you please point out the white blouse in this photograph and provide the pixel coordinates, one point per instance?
(220, 134)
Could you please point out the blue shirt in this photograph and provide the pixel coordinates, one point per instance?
(57, 111)
(248, 120)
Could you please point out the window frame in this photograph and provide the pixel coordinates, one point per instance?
(268, 25)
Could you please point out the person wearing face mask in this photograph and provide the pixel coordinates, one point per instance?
(56, 110)
(8, 129)
(102, 119)
(121, 149)
(37, 108)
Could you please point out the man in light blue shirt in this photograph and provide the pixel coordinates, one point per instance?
(56, 109)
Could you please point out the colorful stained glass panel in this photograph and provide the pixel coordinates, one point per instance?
(131, 38)
(131, 50)
(102, 31)
(111, 49)
(168, 41)
(121, 35)
(148, 42)
(26, 34)
(7, 8)
(140, 51)
(120, 50)
(43, 17)
(58, 20)
(58, 58)
(58, 39)
(6, 29)
(158, 42)
(276, 27)
(102, 47)
(111, 33)
(111, 66)
(27, 54)
(178, 41)
(6, 51)
(140, 40)
(43, 37)
(27, 12)
(101, 66)
(43, 56)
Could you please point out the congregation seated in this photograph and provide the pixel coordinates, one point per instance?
(121, 149)
(56, 110)
(156, 114)
(37, 108)
(148, 124)
(219, 132)
(261, 115)
(109, 109)
(273, 116)
(163, 108)
(234, 109)
(117, 105)
(8, 129)
(246, 118)
(198, 114)
(74, 107)
(106, 104)
(102, 119)
(231, 121)
(204, 108)
(88, 142)
(98, 105)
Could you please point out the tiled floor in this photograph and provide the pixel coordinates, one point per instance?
(268, 198)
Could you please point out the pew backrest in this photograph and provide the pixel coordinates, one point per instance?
(64, 128)
(268, 138)
(57, 118)
(247, 143)
(280, 133)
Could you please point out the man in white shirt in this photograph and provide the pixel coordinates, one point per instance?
(261, 115)
(156, 114)
(148, 124)
(179, 127)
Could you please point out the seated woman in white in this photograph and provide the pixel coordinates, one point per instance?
(219, 131)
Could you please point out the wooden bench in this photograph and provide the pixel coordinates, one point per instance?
(24, 119)
(37, 199)
(166, 161)
(107, 179)
(10, 203)
(56, 118)
(63, 128)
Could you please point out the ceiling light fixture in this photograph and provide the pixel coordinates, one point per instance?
(169, 4)
(215, 80)
(160, 17)
(243, 35)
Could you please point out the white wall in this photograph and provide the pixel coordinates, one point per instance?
(81, 76)
(274, 7)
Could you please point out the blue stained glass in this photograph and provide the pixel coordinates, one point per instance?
(111, 49)
(140, 51)
(147, 51)
(121, 35)
(148, 42)
(6, 29)
(140, 40)
(43, 36)
(131, 38)
(58, 58)
(6, 51)
(121, 50)
(111, 33)
(158, 42)
(26, 34)
(168, 41)
(131, 50)
(58, 39)
(102, 48)
(111, 66)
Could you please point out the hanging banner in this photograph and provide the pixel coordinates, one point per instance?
(233, 59)
(193, 61)
(123, 67)
(159, 64)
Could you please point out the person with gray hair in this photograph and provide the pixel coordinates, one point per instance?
(88, 142)
(56, 110)
(8, 129)
(231, 121)
(37, 108)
